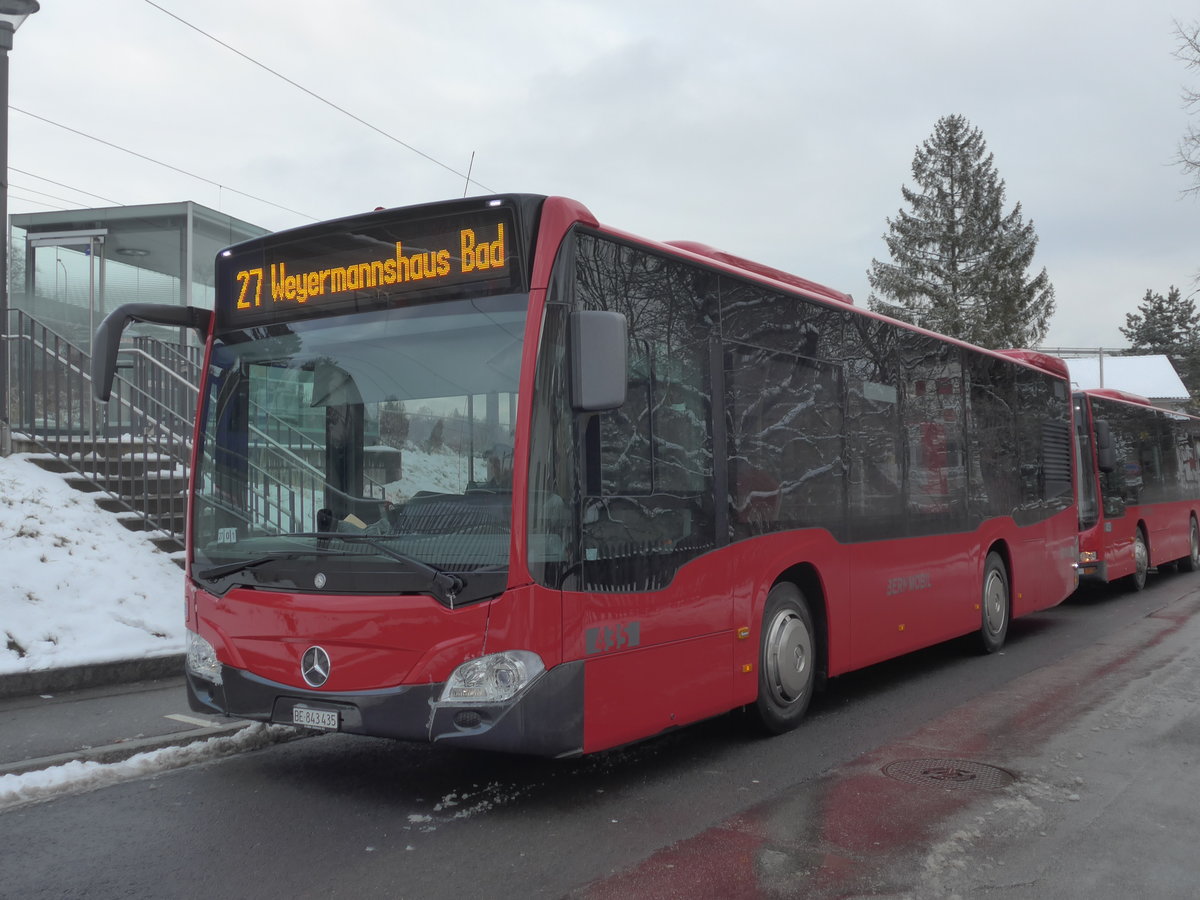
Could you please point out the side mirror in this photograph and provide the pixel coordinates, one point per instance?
(598, 360)
(108, 335)
(1106, 457)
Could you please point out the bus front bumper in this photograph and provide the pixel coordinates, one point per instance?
(546, 719)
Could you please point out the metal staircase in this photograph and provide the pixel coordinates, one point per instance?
(134, 451)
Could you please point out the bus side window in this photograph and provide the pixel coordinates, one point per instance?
(875, 482)
(993, 475)
(933, 414)
(1106, 458)
(648, 505)
(786, 435)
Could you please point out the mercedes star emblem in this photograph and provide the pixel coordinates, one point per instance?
(314, 666)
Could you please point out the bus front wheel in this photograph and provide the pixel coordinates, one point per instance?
(993, 628)
(786, 661)
(1141, 562)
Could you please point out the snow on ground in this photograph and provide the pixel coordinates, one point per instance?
(75, 777)
(76, 586)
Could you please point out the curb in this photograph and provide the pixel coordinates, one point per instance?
(119, 752)
(74, 678)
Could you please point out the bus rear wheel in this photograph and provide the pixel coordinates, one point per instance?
(786, 661)
(993, 628)
(1191, 562)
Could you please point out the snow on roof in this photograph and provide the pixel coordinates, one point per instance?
(1150, 376)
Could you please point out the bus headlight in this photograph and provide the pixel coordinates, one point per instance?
(202, 658)
(493, 678)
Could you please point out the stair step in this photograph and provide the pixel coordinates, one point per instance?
(82, 484)
(135, 522)
(145, 490)
(174, 506)
(130, 474)
(51, 463)
(73, 446)
(129, 487)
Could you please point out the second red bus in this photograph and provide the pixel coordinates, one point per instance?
(1139, 487)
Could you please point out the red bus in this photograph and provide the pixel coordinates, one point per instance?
(490, 473)
(1139, 487)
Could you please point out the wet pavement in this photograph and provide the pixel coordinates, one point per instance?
(1079, 779)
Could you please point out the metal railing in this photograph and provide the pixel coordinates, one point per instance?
(136, 448)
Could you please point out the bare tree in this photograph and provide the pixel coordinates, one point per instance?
(1189, 146)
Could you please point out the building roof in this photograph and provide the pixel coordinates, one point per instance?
(1152, 377)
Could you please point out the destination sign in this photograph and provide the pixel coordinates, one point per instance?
(322, 268)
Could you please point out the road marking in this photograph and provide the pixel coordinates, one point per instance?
(191, 720)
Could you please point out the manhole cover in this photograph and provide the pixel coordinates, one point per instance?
(953, 774)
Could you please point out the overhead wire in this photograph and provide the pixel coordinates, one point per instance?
(25, 187)
(328, 103)
(61, 185)
(158, 162)
(467, 176)
(38, 202)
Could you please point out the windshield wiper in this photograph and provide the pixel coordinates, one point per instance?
(446, 585)
(216, 573)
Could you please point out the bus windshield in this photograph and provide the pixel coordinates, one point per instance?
(381, 439)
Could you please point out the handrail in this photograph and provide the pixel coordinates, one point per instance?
(167, 349)
(84, 375)
(166, 370)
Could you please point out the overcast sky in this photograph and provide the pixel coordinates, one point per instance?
(780, 130)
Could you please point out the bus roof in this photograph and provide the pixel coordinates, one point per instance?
(759, 269)
(1115, 394)
(1043, 361)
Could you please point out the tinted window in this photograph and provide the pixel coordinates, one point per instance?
(876, 478)
(992, 456)
(784, 413)
(933, 415)
(649, 485)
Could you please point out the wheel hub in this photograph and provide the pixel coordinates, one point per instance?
(789, 650)
(994, 603)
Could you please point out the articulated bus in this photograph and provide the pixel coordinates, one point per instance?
(489, 473)
(1139, 487)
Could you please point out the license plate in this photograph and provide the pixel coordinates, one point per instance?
(325, 719)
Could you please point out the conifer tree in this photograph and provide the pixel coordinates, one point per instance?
(959, 263)
(1162, 324)
(1169, 325)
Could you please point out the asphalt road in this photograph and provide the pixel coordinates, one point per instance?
(945, 773)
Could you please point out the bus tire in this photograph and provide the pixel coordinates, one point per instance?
(1141, 562)
(1191, 562)
(787, 661)
(996, 607)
